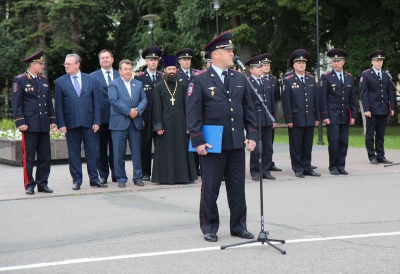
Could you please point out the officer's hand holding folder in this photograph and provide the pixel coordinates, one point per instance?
(213, 136)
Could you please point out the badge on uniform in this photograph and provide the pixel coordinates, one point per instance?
(212, 90)
(28, 87)
(15, 87)
(361, 79)
(333, 86)
(190, 89)
(46, 85)
(146, 87)
(295, 85)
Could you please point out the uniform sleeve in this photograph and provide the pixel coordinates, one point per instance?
(323, 93)
(363, 87)
(249, 116)
(316, 100)
(157, 110)
(287, 102)
(194, 112)
(50, 109)
(16, 102)
(277, 92)
(352, 101)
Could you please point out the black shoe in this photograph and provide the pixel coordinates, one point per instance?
(103, 181)
(30, 191)
(255, 178)
(385, 161)
(211, 237)
(374, 162)
(335, 172)
(76, 186)
(45, 190)
(312, 173)
(299, 174)
(121, 185)
(146, 178)
(343, 172)
(97, 184)
(244, 234)
(313, 167)
(269, 177)
(138, 182)
(114, 180)
(275, 168)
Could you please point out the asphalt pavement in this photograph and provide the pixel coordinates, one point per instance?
(331, 224)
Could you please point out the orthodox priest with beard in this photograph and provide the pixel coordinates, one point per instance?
(172, 162)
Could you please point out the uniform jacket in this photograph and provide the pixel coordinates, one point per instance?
(336, 99)
(376, 97)
(273, 82)
(300, 104)
(266, 93)
(182, 76)
(103, 94)
(31, 103)
(73, 111)
(209, 103)
(148, 86)
(122, 103)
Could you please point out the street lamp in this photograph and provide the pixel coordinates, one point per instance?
(216, 7)
(320, 136)
(151, 18)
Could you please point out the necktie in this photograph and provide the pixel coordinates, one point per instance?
(340, 78)
(154, 79)
(302, 80)
(187, 75)
(226, 80)
(379, 76)
(259, 82)
(77, 86)
(109, 76)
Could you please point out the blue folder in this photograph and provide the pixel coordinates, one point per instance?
(213, 136)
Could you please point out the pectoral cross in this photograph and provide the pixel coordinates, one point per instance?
(172, 100)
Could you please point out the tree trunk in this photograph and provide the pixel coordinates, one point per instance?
(75, 20)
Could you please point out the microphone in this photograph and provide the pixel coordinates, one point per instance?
(387, 71)
(237, 61)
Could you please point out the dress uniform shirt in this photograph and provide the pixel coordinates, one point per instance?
(219, 73)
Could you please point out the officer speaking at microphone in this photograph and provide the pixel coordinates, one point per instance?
(34, 116)
(221, 96)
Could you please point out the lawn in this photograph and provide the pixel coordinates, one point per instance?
(356, 139)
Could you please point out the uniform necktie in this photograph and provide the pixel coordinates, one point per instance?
(154, 79)
(187, 74)
(77, 86)
(379, 76)
(226, 80)
(302, 80)
(109, 76)
(340, 78)
(259, 82)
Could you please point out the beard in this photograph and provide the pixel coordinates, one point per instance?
(171, 77)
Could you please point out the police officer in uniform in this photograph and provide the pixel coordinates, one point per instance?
(34, 116)
(301, 110)
(338, 110)
(264, 89)
(207, 57)
(185, 72)
(378, 103)
(221, 96)
(272, 81)
(149, 78)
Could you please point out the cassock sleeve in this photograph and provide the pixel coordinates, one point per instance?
(157, 110)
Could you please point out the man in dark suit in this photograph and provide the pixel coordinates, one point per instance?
(338, 110)
(128, 102)
(221, 96)
(378, 103)
(104, 76)
(301, 110)
(149, 78)
(34, 115)
(272, 81)
(78, 116)
(264, 89)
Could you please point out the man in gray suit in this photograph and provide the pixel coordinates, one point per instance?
(128, 101)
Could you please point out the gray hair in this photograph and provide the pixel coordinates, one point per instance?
(77, 58)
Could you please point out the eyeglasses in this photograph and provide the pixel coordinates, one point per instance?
(68, 64)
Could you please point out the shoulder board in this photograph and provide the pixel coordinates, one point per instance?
(159, 73)
(348, 73)
(200, 72)
(272, 76)
(326, 73)
(366, 71)
(309, 75)
(42, 76)
(289, 76)
(140, 74)
(195, 70)
(21, 75)
(287, 73)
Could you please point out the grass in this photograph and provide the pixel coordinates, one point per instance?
(356, 139)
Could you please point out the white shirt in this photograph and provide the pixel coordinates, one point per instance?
(105, 74)
(128, 86)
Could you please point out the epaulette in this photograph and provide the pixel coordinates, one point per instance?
(326, 73)
(200, 72)
(348, 73)
(307, 73)
(21, 76)
(195, 70)
(159, 73)
(140, 73)
(42, 76)
(310, 75)
(289, 76)
(366, 71)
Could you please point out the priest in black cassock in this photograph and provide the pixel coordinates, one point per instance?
(172, 162)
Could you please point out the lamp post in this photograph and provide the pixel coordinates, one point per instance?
(320, 137)
(216, 8)
(151, 18)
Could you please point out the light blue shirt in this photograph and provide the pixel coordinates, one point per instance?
(338, 75)
(376, 72)
(79, 78)
(152, 74)
(219, 72)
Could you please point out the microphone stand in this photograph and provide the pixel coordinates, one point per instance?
(263, 236)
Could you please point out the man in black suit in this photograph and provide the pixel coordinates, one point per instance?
(272, 81)
(263, 88)
(78, 116)
(338, 110)
(103, 77)
(34, 115)
(377, 99)
(301, 111)
(221, 96)
(149, 78)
